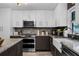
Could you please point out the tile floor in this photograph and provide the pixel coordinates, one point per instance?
(37, 53)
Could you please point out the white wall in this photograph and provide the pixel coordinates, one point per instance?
(5, 17)
(60, 14)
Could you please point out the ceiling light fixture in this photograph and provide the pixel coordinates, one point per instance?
(18, 4)
(21, 4)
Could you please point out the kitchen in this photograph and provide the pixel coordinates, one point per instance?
(39, 29)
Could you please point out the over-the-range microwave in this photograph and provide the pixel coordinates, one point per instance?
(28, 23)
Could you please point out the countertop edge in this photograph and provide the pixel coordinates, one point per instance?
(4, 48)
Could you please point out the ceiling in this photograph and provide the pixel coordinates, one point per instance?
(29, 6)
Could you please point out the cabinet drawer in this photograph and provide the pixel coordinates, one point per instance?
(28, 40)
(28, 46)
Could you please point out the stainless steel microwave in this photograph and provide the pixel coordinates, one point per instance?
(28, 23)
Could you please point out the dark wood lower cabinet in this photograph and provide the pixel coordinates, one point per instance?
(42, 43)
(58, 53)
(54, 51)
(19, 48)
(15, 50)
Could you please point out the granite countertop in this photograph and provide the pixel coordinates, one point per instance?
(9, 43)
(70, 43)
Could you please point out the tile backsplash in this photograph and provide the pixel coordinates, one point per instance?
(33, 31)
(29, 31)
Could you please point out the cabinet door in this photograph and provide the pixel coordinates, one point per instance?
(10, 51)
(44, 18)
(42, 43)
(19, 48)
(53, 50)
(17, 19)
(39, 19)
(61, 15)
(5, 53)
(26, 15)
(48, 19)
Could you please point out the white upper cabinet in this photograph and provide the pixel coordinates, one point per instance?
(17, 19)
(49, 19)
(41, 18)
(27, 15)
(44, 18)
(60, 15)
(19, 16)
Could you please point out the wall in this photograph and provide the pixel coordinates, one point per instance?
(5, 17)
(60, 14)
